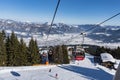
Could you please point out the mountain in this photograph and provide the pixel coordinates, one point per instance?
(61, 32)
(108, 34)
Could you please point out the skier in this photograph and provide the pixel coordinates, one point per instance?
(56, 75)
(95, 60)
(49, 70)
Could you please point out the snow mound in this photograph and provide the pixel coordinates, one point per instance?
(107, 57)
(88, 62)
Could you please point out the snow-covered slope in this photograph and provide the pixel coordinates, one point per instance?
(80, 70)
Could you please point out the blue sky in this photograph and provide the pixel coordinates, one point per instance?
(69, 12)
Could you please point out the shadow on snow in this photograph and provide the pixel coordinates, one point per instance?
(15, 73)
(92, 74)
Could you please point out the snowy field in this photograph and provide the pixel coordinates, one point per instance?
(66, 38)
(79, 70)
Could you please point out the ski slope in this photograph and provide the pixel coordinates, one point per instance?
(78, 70)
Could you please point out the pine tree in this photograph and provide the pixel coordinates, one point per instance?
(14, 50)
(33, 51)
(60, 55)
(4, 35)
(55, 54)
(3, 56)
(99, 50)
(8, 51)
(65, 54)
(117, 53)
(37, 54)
(29, 58)
(22, 53)
(103, 49)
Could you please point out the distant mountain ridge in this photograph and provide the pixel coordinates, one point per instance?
(110, 34)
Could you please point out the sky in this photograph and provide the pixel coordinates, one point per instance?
(69, 11)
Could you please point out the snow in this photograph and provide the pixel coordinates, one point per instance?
(58, 39)
(115, 28)
(107, 57)
(8, 31)
(76, 70)
(118, 38)
(76, 26)
(102, 34)
(44, 51)
(66, 38)
(117, 63)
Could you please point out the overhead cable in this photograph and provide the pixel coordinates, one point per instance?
(53, 19)
(95, 26)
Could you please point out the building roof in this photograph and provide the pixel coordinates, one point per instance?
(107, 57)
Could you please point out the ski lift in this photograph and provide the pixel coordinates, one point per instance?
(78, 53)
